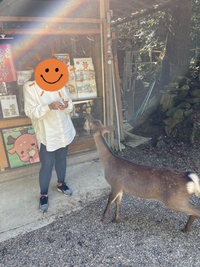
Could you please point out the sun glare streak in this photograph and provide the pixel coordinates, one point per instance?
(66, 10)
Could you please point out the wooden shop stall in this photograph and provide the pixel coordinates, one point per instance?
(77, 30)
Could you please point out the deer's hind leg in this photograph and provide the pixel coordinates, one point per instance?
(189, 223)
(117, 203)
(190, 209)
(114, 194)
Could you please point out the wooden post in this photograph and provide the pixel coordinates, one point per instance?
(3, 158)
(104, 44)
(107, 68)
(118, 91)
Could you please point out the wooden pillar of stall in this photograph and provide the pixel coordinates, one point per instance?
(117, 87)
(107, 48)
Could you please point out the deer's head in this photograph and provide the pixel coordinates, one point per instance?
(97, 127)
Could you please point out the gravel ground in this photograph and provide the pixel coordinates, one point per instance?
(147, 235)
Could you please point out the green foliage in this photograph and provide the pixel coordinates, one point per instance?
(151, 31)
(146, 33)
(195, 24)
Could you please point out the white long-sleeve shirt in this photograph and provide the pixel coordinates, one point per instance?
(53, 128)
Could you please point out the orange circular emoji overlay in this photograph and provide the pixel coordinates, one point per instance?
(51, 74)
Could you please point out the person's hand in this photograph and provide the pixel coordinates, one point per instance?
(56, 105)
(66, 103)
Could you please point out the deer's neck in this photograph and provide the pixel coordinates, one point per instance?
(103, 149)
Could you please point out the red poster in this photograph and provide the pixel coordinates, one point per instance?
(7, 67)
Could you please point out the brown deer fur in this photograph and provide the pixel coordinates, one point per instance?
(169, 186)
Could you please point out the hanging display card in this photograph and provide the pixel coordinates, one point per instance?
(83, 64)
(64, 58)
(71, 84)
(85, 78)
(23, 76)
(9, 106)
(7, 65)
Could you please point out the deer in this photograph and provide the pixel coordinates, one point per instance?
(171, 187)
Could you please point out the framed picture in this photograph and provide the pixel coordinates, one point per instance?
(9, 106)
(20, 145)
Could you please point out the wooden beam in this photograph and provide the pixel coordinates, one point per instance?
(51, 32)
(18, 121)
(3, 158)
(50, 19)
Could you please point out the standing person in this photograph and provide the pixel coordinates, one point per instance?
(49, 111)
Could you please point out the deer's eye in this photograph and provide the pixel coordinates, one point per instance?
(22, 152)
(33, 144)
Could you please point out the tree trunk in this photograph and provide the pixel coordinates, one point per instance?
(176, 60)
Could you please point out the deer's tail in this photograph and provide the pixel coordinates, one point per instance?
(193, 186)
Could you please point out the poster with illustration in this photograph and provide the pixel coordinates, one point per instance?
(85, 78)
(21, 146)
(82, 64)
(9, 106)
(71, 84)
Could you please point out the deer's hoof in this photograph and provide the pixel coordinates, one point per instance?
(103, 218)
(184, 230)
(115, 220)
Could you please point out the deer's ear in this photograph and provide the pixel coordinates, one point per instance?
(12, 151)
(108, 129)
